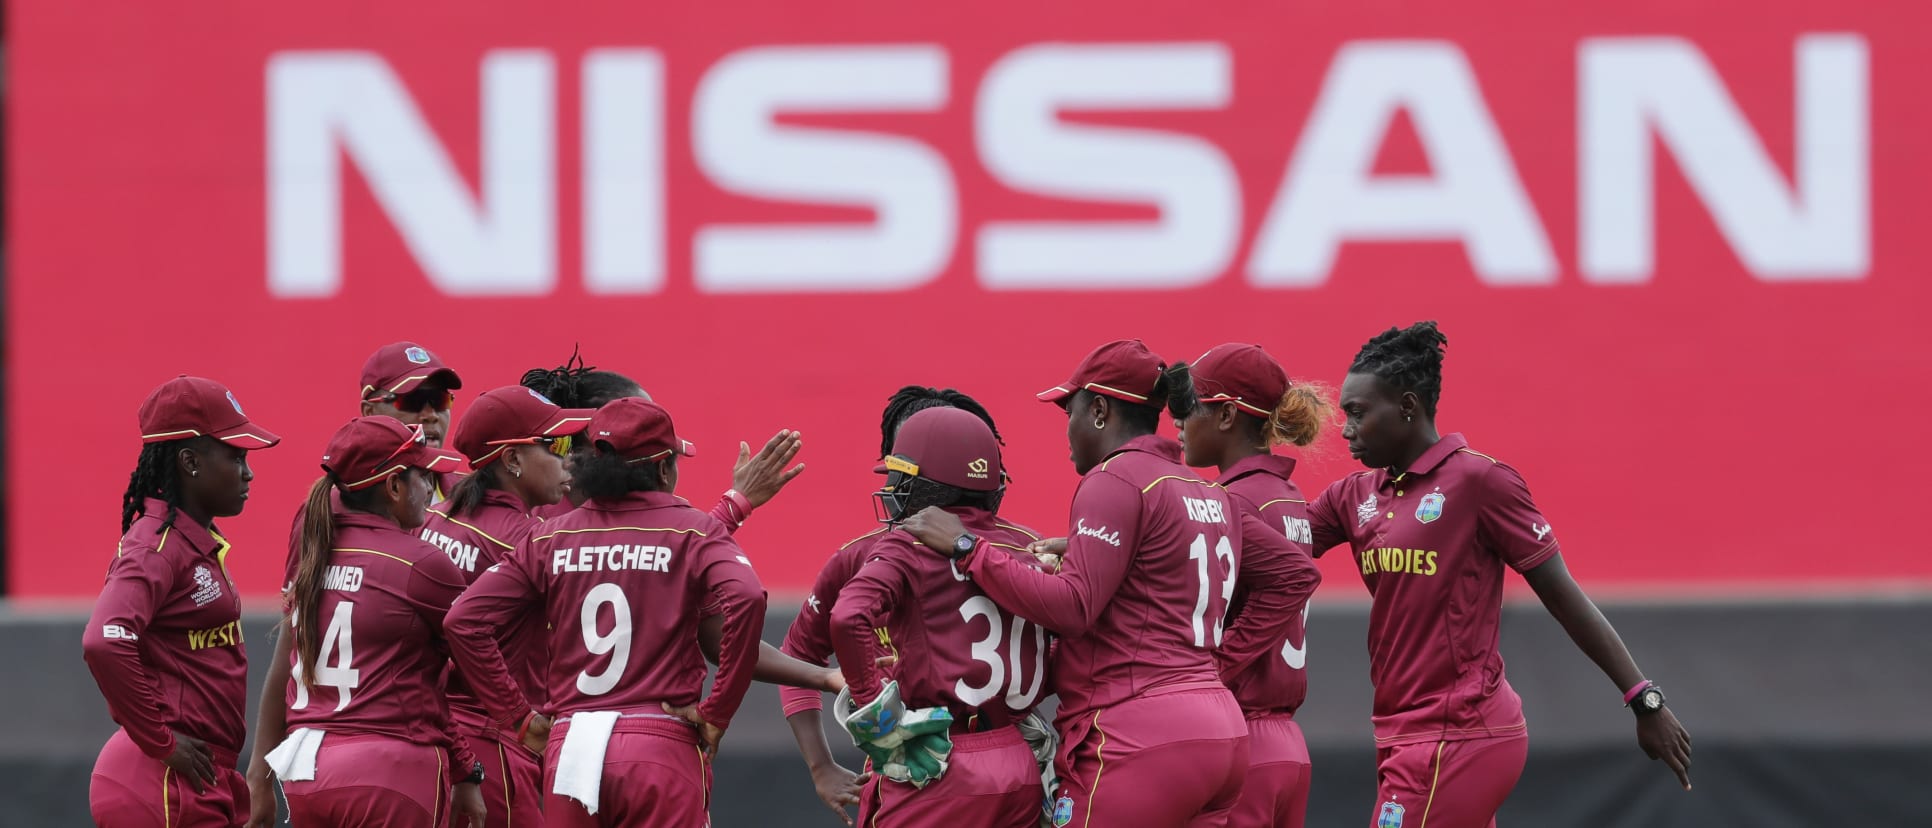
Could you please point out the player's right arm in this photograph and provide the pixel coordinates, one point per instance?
(503, 593)
(864, 605)
(137, 583)
(731, 586)
(810, 640)
(1101, 543)
(1325, 518)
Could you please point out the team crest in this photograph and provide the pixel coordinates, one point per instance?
(1365, 511)
(1062, 811)
(416, 355)
(1391, 816)
(235, 402)
(1430, 508)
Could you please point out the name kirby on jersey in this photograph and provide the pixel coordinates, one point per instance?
(1399, 561)
(462, 554)
(1204, 511)
(613, 558)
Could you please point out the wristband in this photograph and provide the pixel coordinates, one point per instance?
(1634, 691)
(742, 503)
(523, 730)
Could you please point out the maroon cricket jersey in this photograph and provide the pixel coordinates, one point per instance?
(1142, 589)
(956, 648)
(476, 541)
(809, 638)
(1276, 681)
(1431, 543)
(621, 583)
(382, 655)
(165, 642)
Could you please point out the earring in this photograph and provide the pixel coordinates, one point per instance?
(517, 472)
(194, 472)
(1409, 418)
(1098, 423)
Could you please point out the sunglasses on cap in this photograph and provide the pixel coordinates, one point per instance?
(559, 446)
(435, 399)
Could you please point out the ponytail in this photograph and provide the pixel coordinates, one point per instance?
(1176, 389)
(469, 491)
(315, 543)
(1298, 419)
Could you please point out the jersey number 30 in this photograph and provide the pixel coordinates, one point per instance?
(987, 651)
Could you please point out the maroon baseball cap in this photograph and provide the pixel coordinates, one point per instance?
(638, 430)
(513, 414)
(399, 367)
(950, 446)
(367, 450)
(188, 406)
(1123, 369)
(1241, 374)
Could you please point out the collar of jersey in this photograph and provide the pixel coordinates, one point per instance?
(1449, 444)
(635, 500)
(1282, 467)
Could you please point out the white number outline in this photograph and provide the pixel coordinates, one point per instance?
(987, 651)
(1198, 552)
(617, 643)
(336, 640)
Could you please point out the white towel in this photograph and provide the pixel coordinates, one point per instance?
(580, 762)
(294, 759)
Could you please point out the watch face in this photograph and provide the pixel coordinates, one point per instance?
(1653, 699)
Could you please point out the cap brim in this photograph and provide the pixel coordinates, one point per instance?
(687, 448)
(566, 421)
(445, 376)
(1056, 395)
(880, 469)
(249, 436)
(435, 460)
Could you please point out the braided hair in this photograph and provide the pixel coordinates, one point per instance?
(154, 476)
(576, 385)
(1173, 395)
(913, 399)
(1408, 359)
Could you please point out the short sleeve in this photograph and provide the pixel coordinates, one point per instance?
(1510, 523)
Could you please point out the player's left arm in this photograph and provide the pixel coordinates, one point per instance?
(864, 604)
(1512, 525)
(434, 585)
(1279, 576)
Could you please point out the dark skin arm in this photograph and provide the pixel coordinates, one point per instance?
(1659, 734)
(836, 786)
(271, 724)
(774, 667)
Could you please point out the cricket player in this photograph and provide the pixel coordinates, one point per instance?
(164, 641)
(621, 582)
(1431, 524)
(369, 736)
(955, 648)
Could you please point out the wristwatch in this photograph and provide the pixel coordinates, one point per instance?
(963, 545)
(475, 777)
(1650, 700)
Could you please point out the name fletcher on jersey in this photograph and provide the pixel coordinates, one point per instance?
(613, 558)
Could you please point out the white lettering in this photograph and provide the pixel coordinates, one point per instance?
(1024, 144)
(118, 632)
(1112, 538)
(741, 146)
(623, 171)
(324, 105)
(1203, 511)
(1472, 195)
(342, 578)
(1631, 89)
(1298, 529)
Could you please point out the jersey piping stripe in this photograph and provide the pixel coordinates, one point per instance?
(485, 535)
(863, 537)
(503, 765)
(403, 561)
(1101, 754)
(1479, 454)
(1433, 779)
(1020, 529)
(436, 810)
(1006, 546)
(1280, 500)
(1157, 481)
(622, 529)
(167, 812)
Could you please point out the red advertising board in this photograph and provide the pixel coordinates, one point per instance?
(1679, 259)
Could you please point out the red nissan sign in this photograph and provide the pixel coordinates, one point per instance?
(1679, 259)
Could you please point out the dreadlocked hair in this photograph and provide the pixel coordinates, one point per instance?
(1173, 395)
(913, 399)
(154, 476)
(315, 546)
(469, 491)
(576, 385)
(602, 473)
(1408, 359)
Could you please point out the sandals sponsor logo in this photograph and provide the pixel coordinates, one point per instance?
(1112, 538)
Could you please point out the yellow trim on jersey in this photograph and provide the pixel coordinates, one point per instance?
(1101, 754)
(436, 810)
(622, 529)
(1280, 500)
(1020, 529)
(485, 535)
(503, 765)
(1006, 546)
(221, 552)
(864, 536)
(167, 813)
(1157, 481)
(885, 640)
(1437, 777)
(164, 538)
(374, 552)
(1478, 454)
